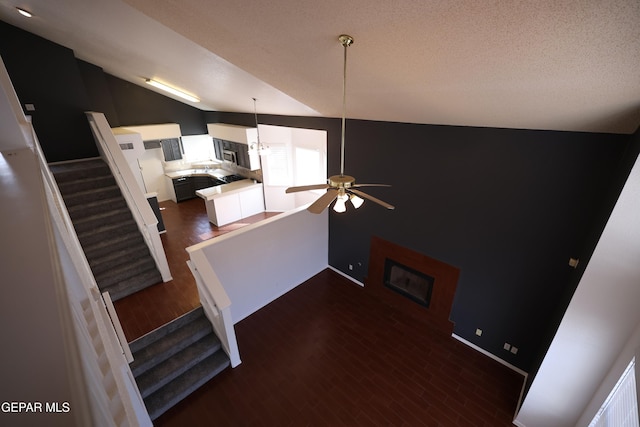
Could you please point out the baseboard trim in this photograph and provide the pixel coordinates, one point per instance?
(493, 356)
(346, 276)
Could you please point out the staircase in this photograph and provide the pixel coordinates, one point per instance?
(115, 249)
(175, 359)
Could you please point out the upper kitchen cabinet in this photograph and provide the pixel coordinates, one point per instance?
(237, 139)
(171, 149)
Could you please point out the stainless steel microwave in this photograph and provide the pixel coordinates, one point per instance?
(229, 156)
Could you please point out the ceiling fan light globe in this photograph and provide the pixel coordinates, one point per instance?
(340, 206)
(356, 201)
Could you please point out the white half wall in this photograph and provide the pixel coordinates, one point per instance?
(598, 326)
(261, 262)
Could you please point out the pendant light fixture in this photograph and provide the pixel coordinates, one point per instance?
(262, 149)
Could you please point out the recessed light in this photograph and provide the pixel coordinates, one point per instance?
(24, 12)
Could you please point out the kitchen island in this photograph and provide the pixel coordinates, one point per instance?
(231, 202)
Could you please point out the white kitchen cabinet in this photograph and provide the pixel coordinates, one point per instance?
(226, 209)
(232, 202)
(251, 201)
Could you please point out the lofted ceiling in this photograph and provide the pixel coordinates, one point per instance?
(557, 65)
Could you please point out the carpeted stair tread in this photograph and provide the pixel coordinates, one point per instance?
(91, 195)
(170, 344)
(64, 172)
(171, 368)
(85, 184)
(95, 207)
(133, 284)
(111, 216)
(115, 258)
(118, 242)
(176, 390)
(106, 232)
(124, 271)
(149, 338)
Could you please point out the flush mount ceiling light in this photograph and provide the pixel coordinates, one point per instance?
(341, 187)
(24, 12)
(171, 90)
(260, 147)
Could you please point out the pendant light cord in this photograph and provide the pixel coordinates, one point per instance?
(255, 113)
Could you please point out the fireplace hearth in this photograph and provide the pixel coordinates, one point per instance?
(403, 277)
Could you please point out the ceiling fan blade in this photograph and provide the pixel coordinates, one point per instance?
(307, 187)
(325, 200)
(370, 185)
(368, 197)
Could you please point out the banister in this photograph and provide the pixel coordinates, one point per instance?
(142, 212)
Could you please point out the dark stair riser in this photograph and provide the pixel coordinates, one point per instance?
(105, 232)
(81, 170)
(119, 242)
(153, 336)
(114, 259)
(89, 196)
(114, 216)
(174, 360)
(134, 284)
(79, 212)
(113, 244)
(168, 370)
(93, 183)
(172, 393)
(171, 344)
(125, 271)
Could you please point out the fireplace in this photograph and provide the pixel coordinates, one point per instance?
(408, 282)
(417, 284)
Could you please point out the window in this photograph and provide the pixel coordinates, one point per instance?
(309, 166)
(278, 166)
(620, 409)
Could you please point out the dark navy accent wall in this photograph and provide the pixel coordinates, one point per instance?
(95, 82)
(136, 105)
(63, 88)
(508, 207)
(46, 75)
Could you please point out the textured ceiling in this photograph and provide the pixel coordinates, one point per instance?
(559, 65)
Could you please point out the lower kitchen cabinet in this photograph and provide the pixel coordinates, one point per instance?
(227, 208)
(183, 188)
(251, 201)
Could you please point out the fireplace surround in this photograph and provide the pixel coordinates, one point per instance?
(433, 281)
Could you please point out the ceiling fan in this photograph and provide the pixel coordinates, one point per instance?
(341, 187)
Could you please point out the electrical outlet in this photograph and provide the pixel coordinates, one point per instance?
(479, 332)
(506, 346)
(514, 349)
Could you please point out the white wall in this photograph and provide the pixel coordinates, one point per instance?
(276, 200)
(34, 364)
(261, 262)
(598, 326)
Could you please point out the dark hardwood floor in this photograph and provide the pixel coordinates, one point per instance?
(325, 354)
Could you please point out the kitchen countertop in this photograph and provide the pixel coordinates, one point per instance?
(216, 173)
(226, 189)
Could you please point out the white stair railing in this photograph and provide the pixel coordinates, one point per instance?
(216, 304)
(114, 398)
(138, 204)
(101, 381)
